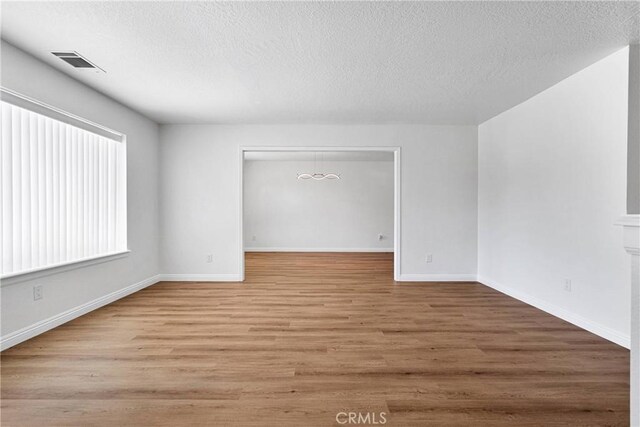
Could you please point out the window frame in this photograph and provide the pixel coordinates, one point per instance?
(22, 101)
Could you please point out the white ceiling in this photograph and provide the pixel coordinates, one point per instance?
(320, 156)
(323, 62)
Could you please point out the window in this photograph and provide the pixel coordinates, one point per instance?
(63, 191)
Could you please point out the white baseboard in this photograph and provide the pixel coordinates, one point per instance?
(42, 326)
(437, 278)
(271, 249)
(582, 322)
(200, 277)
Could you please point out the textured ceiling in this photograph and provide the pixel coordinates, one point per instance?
(333, 156)
(323, 62)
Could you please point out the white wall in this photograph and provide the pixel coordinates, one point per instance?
(552, 175)
(284, 213)
(72, 289)
(200, 192)
(633, 134)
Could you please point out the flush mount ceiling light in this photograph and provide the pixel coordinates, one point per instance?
(317, 175)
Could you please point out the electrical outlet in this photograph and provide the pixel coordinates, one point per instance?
(567, 285)
(253, 238)
(209, 258)
(37, 292)
(428, 258)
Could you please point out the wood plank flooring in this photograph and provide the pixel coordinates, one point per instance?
(308, 336)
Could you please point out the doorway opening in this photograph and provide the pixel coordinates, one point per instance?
(320, 199)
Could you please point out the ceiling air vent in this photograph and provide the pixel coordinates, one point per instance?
(77, 61)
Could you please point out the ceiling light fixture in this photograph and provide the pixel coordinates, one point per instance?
(317, 175)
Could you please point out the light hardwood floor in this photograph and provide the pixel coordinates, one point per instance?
(310, 335)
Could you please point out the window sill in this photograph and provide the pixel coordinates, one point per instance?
(36, 273)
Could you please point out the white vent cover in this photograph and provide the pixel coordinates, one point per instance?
(77, 61)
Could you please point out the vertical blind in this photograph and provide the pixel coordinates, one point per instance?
(63, 192)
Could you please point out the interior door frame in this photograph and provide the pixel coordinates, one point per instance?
(397, 247)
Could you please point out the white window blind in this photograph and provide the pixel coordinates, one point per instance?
(63, 191)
